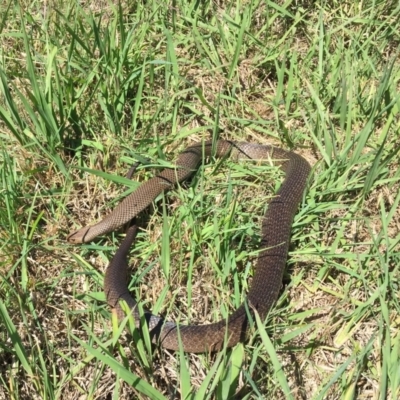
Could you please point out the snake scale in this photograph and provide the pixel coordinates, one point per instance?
(275, 237)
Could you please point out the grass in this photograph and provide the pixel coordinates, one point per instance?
(86, 90)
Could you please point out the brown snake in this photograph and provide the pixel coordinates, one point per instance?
(271, 261)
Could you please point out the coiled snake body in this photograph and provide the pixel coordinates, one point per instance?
(271, 261)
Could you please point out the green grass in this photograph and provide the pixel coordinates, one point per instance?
(86, 90)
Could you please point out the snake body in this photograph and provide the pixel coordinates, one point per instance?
(271, 261)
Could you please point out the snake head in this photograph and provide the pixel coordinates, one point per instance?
(79, 236)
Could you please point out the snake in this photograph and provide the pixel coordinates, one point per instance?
(270, 264)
